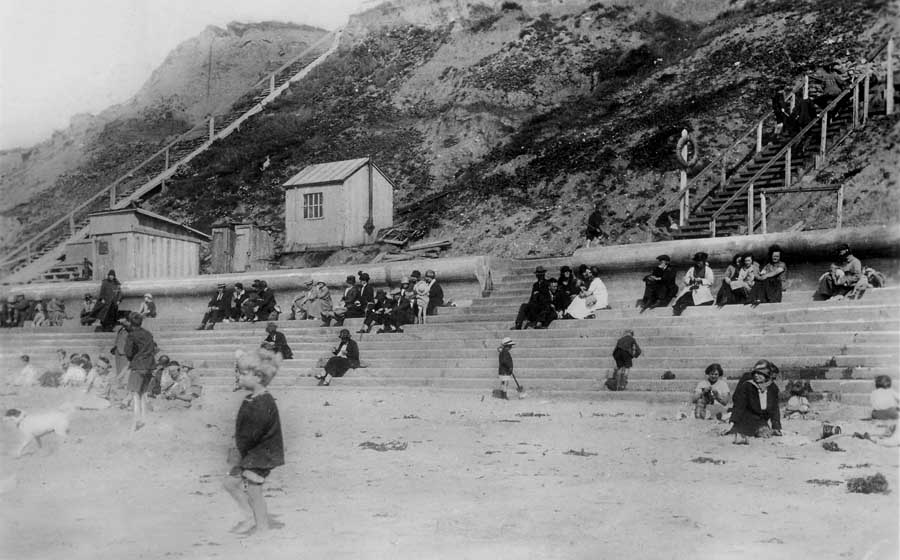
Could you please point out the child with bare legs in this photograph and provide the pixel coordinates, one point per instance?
(257, 436)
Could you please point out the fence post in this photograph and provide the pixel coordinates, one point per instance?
(750, 210)
(759, 134)
(856, 106)
(72, 224)
(166, 168)
(889, 89)
(820, 158)
(787, 167)
(212, 127)
(806, 87)
(271, 83)
(840, 206)
(762, 211)
(712, 227)
(865, 114)
(112, 195)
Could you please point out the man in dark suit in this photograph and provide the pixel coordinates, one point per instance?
(531, 311)
(266, 301)
(366, 291)
(351, 300)
(217, 308)
(237, 299)
(435, 293)
(660, 285)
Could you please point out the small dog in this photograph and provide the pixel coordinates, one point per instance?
(34, 426)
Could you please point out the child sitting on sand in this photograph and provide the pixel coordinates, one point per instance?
(178, 383)
(711, 395)
(97, 389)
(884, 401)
(29, 375)
(798, 404)
(259, 445)
(75, 375)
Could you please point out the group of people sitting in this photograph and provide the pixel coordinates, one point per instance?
(581, 294)
(19, 311)
(237, 304)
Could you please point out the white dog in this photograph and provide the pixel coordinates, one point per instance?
(34, 426)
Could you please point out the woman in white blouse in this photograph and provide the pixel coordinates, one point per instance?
(592, 298)
(697, 281)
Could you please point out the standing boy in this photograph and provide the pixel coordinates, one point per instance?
(625, 351)
(257, 437)
(141, 351)
(505, 370)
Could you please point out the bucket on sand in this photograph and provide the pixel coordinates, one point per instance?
(829, 430)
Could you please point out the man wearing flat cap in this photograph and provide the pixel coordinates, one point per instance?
(660, 285)
(697, 282)
(216, 309)
(532, 311)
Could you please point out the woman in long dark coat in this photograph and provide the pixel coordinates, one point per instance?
(755, 403)
(346, 356)
(107, 308)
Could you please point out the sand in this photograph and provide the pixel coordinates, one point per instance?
(478, 478)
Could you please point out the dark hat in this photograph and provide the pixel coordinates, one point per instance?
(271, 325)
(351, 279)
(238, 286)
(843, 248)
(363, 277)
(111, 273)
(320, 283)
(415, 274)
(262, 284)
(164, 359)
(700, 257)
(540, 270)
(765, 367)
(666, 258)
(668, 375)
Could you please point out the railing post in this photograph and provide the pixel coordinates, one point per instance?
(889, 89)
(112, 195)
(722, 178)
(272, 83)
(712, 227)
(759, 135)
(762, 211)
(28, 251)
(683, 204)
(856, 106)
(840, 207)
(212, 127)
(787, 167)
(71, 224)
(750, 195)
(166, 168)
(806, 87)
(820, 158)
(865, 111)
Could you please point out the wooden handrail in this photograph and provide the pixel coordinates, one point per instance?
(201, 127)
(797, 137)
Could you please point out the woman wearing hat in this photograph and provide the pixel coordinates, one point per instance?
(505, 369)
(106, 309)
(278, 341)
(755, 404)
(592, 298)
(697, 281)
(346, 356)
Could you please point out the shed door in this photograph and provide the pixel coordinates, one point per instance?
(241, 260)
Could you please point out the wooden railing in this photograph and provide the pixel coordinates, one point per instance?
(854, 90)
(68, 225)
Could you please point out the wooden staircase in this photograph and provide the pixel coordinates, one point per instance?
(43, 250)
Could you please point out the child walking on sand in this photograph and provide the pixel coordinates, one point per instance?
(257, 436)
(625, 351)
(505, 370)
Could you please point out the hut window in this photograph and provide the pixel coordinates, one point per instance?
(312, 206)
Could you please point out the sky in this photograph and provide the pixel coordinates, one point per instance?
(59, 58)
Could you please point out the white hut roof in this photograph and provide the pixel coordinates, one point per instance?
(328, 173)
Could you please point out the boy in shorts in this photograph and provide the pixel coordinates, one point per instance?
(257, 435)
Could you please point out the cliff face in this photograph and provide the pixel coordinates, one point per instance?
(500, 122)
(201, 74)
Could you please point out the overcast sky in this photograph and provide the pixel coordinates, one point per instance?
(62, 57)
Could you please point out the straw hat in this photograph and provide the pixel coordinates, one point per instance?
(507, 342)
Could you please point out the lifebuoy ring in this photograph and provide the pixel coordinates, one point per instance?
(692, 151)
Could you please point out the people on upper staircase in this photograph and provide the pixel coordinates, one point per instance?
(769, 285)
(832, 84)
(697, 281)
(842, 276)
(659, 285)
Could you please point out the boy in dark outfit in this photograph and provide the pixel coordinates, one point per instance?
(626, 350)
(257, 436)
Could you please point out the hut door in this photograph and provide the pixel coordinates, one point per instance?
(103, 256)
(241, 259)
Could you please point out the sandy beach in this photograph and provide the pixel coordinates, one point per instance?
(465, 476)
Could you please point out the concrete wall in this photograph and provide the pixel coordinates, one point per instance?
(797, 247)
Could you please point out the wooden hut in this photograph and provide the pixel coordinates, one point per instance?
(139, 245)
(337, 204)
